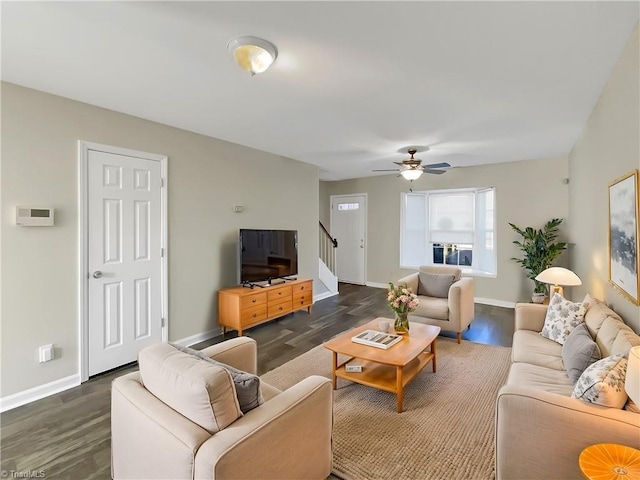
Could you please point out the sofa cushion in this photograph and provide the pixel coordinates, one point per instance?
(562, 316)
(540, 378)
(625, 340)
(432, 307)
(442, 270)
(202, 392)
(247, 385)
(578, 352)
(530, 347)
(631, 406)
(602, 383)
(269, 391)
(615, 337)
(434, 285)
(596, 313)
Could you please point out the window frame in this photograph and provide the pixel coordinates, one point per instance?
(470, 271)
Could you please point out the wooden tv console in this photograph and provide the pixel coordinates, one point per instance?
(241, 307)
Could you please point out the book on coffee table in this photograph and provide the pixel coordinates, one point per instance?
(376, 339)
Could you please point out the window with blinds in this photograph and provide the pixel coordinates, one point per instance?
(452, 227)
(451, 217)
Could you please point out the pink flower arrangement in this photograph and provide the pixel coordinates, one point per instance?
(401, 298)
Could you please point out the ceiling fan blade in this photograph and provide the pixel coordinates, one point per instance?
(435, 172)
(399, 163)
(438, 165)
(392, 170)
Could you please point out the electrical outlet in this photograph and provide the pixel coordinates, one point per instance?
(354, 368)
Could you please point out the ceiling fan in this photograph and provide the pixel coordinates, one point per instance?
(412, 168)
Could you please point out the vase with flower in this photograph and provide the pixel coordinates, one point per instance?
(402, 301)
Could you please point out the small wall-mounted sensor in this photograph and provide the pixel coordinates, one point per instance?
(45, 353)
(34, 217)
(238, 208)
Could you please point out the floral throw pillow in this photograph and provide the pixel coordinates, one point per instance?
(562, 317)
(602, 382)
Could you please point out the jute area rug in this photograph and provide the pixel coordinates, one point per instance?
(446, 430)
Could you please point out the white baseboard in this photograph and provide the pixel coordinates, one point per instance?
(495, 303)
(36, 393)
(322, 296)
(198, 337)
(377, 285)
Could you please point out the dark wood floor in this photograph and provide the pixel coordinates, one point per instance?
(67, 436)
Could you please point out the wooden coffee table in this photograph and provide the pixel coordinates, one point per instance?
(389, 370)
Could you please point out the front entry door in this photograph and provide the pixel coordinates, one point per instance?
(124, 208)
(348, 226)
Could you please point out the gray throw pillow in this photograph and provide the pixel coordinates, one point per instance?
(247, 385)
(578, 352)
(434, 284)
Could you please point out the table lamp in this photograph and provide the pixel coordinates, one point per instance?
(558, 276)
(632, 379)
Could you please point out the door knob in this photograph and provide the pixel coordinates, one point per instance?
(97, 274)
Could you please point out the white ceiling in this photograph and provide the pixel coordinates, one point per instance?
(477, 82)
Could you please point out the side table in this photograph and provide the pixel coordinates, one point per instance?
(608, 461)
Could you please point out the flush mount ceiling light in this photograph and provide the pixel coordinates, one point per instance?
(252, 54)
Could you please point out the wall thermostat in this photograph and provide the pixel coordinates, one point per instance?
(34, 217)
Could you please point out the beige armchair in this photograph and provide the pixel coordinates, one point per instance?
(288, 436)
(446, 298)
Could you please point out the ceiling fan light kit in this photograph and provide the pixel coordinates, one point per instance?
(412, 169)
(411, 174)
(252, 54)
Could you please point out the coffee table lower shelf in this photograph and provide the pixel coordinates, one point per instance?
(389, 378)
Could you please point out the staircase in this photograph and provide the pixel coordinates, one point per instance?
(327, 265)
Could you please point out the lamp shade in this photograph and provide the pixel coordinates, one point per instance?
(632, 379)
(252, 54)
(559, 276)
(411, 173)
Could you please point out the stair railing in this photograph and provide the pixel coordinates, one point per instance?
(328, 246)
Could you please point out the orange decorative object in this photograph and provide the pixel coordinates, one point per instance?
(608, 461)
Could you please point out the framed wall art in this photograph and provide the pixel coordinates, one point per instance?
(624, 258)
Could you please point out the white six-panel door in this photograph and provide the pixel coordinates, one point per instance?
(348, 226)
(124, 216)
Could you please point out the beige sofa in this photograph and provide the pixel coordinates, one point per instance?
(286, 437)
(453, 312)
(540, 429)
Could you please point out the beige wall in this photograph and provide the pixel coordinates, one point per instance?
(206, 178)
(608, 148)
(528, 193)
(325, 207)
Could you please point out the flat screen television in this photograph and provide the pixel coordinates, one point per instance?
(267, 254)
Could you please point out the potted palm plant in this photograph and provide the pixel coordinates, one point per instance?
(539, 248)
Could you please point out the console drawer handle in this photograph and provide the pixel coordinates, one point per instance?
(255, 315)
